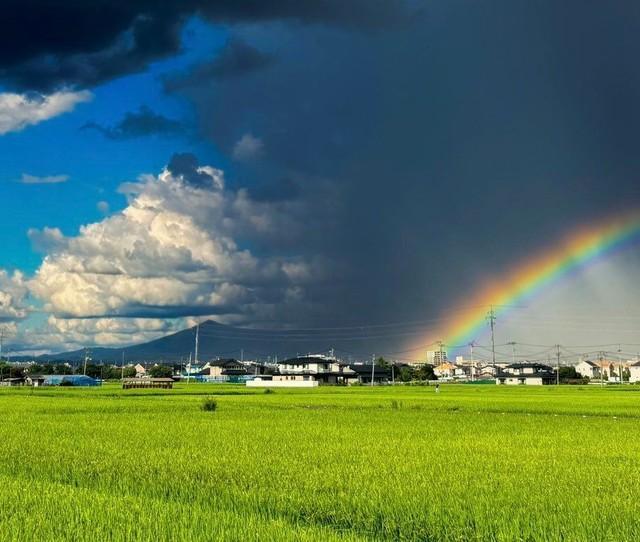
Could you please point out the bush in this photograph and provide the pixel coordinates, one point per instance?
(268, 391)
(209, 404)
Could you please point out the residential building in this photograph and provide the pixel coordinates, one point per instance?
(223, 367)
(328, 370)
(436, 357)
(634, 372)
(588, 369)
(530, 374)
(445, 370)
(363, 373)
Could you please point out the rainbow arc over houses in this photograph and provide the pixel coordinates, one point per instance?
(579, 249)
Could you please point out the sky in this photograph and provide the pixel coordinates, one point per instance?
(318, 164)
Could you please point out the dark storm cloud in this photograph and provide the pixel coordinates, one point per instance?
(185, 166)
(282, 190)
(236, 58)
(462, 145)
(143, 122)
(45, 45)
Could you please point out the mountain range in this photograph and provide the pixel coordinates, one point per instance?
(219, 340)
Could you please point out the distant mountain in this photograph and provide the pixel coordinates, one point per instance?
(218, 340)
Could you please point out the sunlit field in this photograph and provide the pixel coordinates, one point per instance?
(469, 463)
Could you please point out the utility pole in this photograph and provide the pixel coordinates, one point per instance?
(1, 340)
(196, 350)
(620, 365)
(491, 316)
(513, 351)
(373, 368)
(473, 365)
(122, 371)
(86, 359)
(557, 364)
(601, 370)
(242, 354)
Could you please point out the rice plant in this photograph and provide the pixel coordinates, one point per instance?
(475, 463)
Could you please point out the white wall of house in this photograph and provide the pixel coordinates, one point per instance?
(587, 369)
(258, 383)
(515, 381)
(634, 371)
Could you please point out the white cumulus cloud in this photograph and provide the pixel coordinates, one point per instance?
(13, 296)
(180, 247)
(17, 111)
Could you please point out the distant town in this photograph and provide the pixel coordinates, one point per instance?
(313, 370)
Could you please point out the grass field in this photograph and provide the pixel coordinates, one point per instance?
(469, 463)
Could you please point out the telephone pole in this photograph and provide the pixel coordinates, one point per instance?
(601, 369)
(473, 365)
(557, 364)
(196, 349)
(1, 340)
(491, 316)
(620, 365)
(86, 359)
(513, 351)
(373, 368)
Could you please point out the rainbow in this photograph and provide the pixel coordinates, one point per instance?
(578, 250)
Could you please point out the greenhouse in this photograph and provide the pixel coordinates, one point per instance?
(65, 380)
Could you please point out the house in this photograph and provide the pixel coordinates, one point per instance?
(634, 372)
(530, 374)
(487, 371)
(223, 367)
(258, 369)
(609, 368)
(140, 370)
(319, 368)
(362, 374)
(327, 370)
(35, 380)
(588, 368)
(445, 370)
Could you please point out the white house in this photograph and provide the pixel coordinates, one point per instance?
(634, 372)
(529, 374)
(445, 370)
(588, 368)
(222, 367)
(328, 370)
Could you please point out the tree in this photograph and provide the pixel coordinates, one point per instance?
(160, 371)
(383, 363)
(568, 373)
(425, 372)
(405, 374)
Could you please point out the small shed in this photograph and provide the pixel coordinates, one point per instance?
(142, 383)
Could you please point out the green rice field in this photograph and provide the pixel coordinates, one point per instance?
(474, 462)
